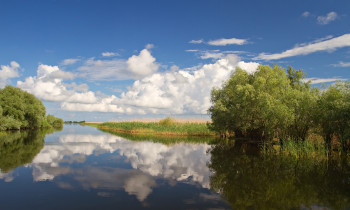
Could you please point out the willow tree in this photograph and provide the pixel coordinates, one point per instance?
(20, 109)
(333, 114)
(269, 103)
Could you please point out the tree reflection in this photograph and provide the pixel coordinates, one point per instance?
(249, 180)
(20, 147)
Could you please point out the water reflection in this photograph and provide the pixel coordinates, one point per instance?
(18, 148)
(181, 161)
(81, 162)
(131, 166)
(248, 180)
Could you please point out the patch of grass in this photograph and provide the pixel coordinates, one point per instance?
(91, 124)
(165, 127)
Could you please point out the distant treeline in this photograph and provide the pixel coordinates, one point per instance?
(22, 110)
(74, 122)
(274, 103)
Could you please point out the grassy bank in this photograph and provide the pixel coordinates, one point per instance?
(165, 127)
(91, 124)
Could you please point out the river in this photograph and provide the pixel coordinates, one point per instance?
(81, 167)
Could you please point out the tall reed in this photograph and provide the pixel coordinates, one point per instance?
(166, 126)
(298, 149)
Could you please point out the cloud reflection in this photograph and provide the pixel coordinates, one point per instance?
(148, 161)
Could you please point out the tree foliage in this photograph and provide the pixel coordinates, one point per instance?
(54, 121)
(263, 104)
(20, 109)
(278, 103)
(334, 113)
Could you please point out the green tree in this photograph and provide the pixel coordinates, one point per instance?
(333, 113)
(269, 103)
(12, 102)
(302, 101)
(34, 111)
(8, 123)
(54, 121)
(226, 103)
(20, 109)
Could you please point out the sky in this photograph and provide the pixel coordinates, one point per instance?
(117, 60)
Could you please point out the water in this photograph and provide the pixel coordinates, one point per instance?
(81, 167)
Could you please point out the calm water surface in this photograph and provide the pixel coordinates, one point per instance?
(81, 167)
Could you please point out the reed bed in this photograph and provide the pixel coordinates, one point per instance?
(166, 127)
(300, 149)
(93, 124)
(176, 120)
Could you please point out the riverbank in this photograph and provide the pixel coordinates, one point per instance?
(165, 127)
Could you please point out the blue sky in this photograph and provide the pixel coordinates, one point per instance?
(112, 60)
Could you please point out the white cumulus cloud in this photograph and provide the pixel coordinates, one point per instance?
(101, 105)
(177, 91)
(180, 92)
(136, 67)
(304, 49)
(8, 72)
(142, 64)
(48, 85)
(250, 67)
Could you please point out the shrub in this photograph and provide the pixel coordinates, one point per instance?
(167, 121)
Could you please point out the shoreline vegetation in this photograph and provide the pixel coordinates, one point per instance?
(20, 110)
(279, 106)
(275, 107)
(166, 127)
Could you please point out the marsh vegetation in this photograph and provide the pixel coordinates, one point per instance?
(164, 127)
(273, 105)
